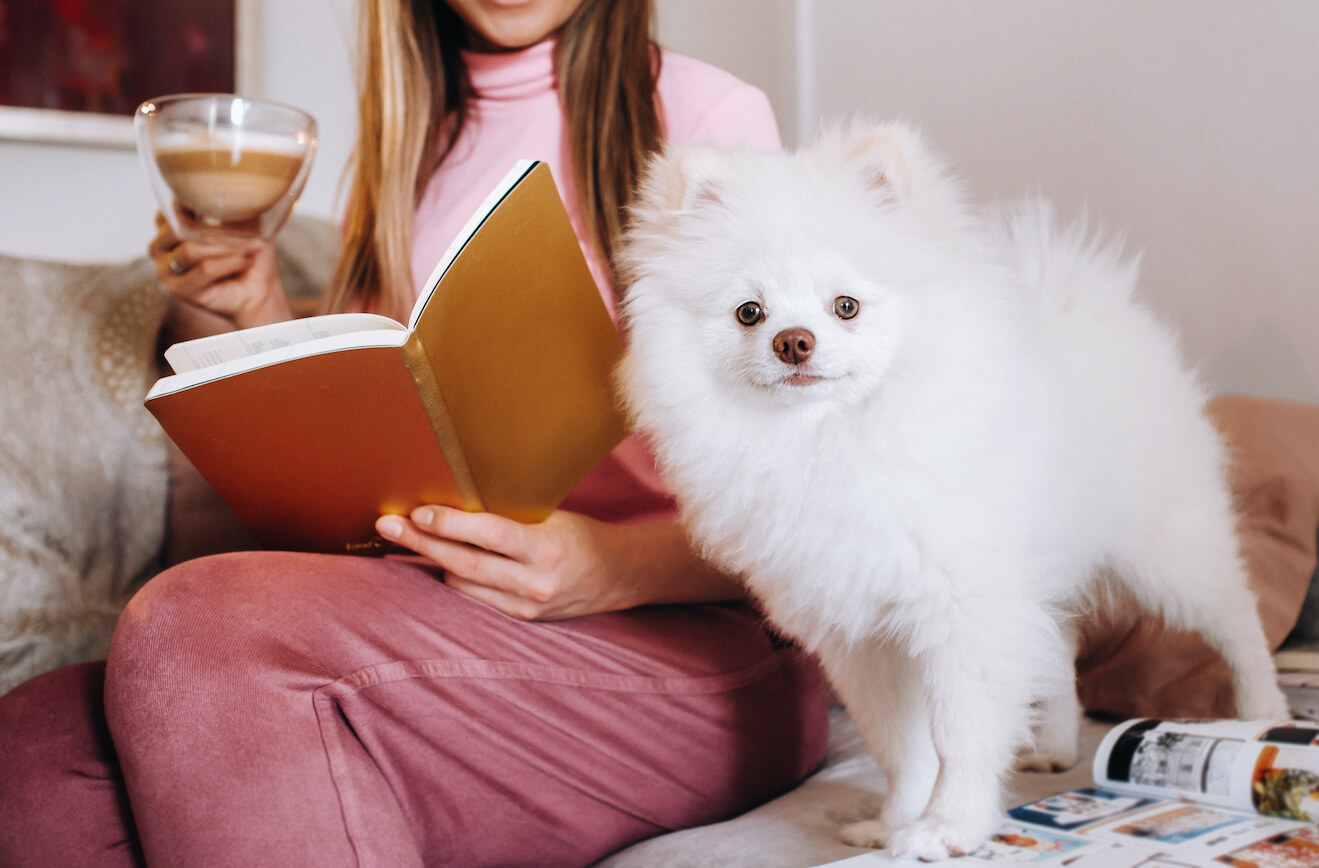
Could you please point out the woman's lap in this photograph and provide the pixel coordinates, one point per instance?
(362, 710)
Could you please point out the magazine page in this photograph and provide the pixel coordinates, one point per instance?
(1098, 828)
(1268, 767)
(1111, 829)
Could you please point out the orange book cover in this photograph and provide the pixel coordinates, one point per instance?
(497, 396)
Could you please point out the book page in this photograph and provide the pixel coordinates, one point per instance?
(390, 337)
(515, 175)
(228, 346)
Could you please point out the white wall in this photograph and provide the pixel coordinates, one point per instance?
(1189, 126)
(306, 49)
(65, 202)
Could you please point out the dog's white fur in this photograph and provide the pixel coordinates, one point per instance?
(1001, 440)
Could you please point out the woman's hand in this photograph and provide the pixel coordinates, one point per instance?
(218, 286)
(568, 565)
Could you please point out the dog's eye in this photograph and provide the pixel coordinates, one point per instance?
(846, 307)
(749, 313)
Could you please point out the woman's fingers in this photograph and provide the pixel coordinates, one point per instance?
(187, 273)
(187, 267)
(484, 530)
(558, 568)
(457, 556)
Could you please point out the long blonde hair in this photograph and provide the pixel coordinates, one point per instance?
(412, 101)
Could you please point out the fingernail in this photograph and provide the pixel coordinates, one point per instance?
(423, 515)
(390, 526)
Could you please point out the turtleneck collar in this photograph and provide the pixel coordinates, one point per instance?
(512, 74)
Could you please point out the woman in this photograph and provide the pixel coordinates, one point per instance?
(535, 694)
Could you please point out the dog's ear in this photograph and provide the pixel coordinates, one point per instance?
(682, 177)
(883, 154)
(894, 162)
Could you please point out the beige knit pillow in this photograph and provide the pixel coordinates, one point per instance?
(83, 481)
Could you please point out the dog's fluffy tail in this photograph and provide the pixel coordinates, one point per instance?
(1065, 265)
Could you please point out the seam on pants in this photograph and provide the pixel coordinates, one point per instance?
(383, 673)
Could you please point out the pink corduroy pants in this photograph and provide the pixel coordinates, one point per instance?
(282, 709)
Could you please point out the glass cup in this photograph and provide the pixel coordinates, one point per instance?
(225, 169)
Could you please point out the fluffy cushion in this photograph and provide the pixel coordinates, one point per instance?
(90, 488)
(82, 464)
(1148, 670)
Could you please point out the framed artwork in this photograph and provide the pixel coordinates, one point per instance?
(74, 71)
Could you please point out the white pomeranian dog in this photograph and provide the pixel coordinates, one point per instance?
(930, 442)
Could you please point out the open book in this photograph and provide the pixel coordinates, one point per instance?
(1174, 793)
(496, 396)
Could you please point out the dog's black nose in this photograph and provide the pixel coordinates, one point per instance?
(794, 345)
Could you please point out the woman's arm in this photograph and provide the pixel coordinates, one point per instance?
(568, 565)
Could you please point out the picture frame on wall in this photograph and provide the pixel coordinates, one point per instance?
(74, 71)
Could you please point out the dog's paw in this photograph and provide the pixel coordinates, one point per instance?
(865, 833)
(1048, 757)
(931, 840)
(1265, 702)
(1055, 737)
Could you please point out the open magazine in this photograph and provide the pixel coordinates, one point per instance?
(1174, 793)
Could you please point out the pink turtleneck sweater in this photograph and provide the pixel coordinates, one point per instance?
(516, 115)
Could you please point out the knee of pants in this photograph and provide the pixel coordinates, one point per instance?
(237, 625)
(181, 608)
(190, 626)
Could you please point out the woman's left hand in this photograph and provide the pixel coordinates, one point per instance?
(562, 567)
